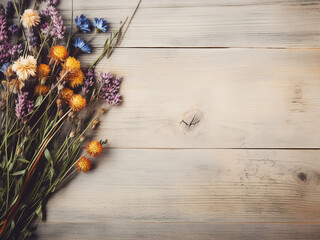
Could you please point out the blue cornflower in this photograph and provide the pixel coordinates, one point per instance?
(4, 67)
(83, 23)
(82, 45)
(100, 24)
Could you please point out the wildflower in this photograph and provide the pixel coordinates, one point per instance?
(25, 67)
(94, 148)
(76, 79)
(52, 2)
(43, 70)
(72, 65)
(66, 93)
(13, 29)
(51, 15)
(89, 82)
(34, 37)
(83, 24)
(100, 24)
(110, 89)
(58, 53)
(41, 90)
(77, 103)
(83, 164)
(9, 9)
(4, 39)
(3, 27)
(30, 18)
(80, 44)
(23, 105)
(4, 67)
(4, 52)
(16, 50)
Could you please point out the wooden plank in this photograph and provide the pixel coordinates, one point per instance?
(200, 186)
(209, 24)
(244, 98)
(122, 4)
(177, 231)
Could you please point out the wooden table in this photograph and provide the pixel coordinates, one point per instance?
(219, 131)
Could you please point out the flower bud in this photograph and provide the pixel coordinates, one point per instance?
(72, 133)
(94, 123)
(82, 138)
(59, 102)
(19, 150)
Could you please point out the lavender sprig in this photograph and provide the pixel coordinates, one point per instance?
(110, 88)
(89, 82)
(23, 105)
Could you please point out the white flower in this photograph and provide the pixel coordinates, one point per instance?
(30, 18)
(25, 67)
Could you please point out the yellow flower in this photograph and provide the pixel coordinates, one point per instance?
(66, 93)
(41, 90)
(30, 18)
(76, 79)
(43, 70)
(25, 67)
(72, 65)
(83, 164)
(94, 148)
(77, 103)
(58, 53)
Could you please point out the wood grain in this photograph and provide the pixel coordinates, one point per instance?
(148, 191)
(206, 23)
(246, 98)
(178, 231)
(200, 79)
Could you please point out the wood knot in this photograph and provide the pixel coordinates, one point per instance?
(191, 120)
(302, 176)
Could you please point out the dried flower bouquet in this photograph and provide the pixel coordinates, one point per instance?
(49, 102)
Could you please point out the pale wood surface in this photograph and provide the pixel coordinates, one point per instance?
(242, 169)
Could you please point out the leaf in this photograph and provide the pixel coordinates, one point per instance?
(39, 211)
(38, 101)
(18, 186)
(12, 225)
(18, 173)
(23, 160)
(48, 156)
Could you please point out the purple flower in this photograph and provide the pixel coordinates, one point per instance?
(51, 14)
(13, 29)
(4, 52)
(9, 10)
(3, 27)
(23, 105)
(34, 37)
(110, 88)
(52, 2)
(89, 82)
(16, 50)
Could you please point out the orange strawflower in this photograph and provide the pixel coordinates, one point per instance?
(83, 164)
(71, 65)
(58, 53)
(43, 70)
(41, 90)
(77, 103)
(76, 79)
(94, 148)
(66, 93)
